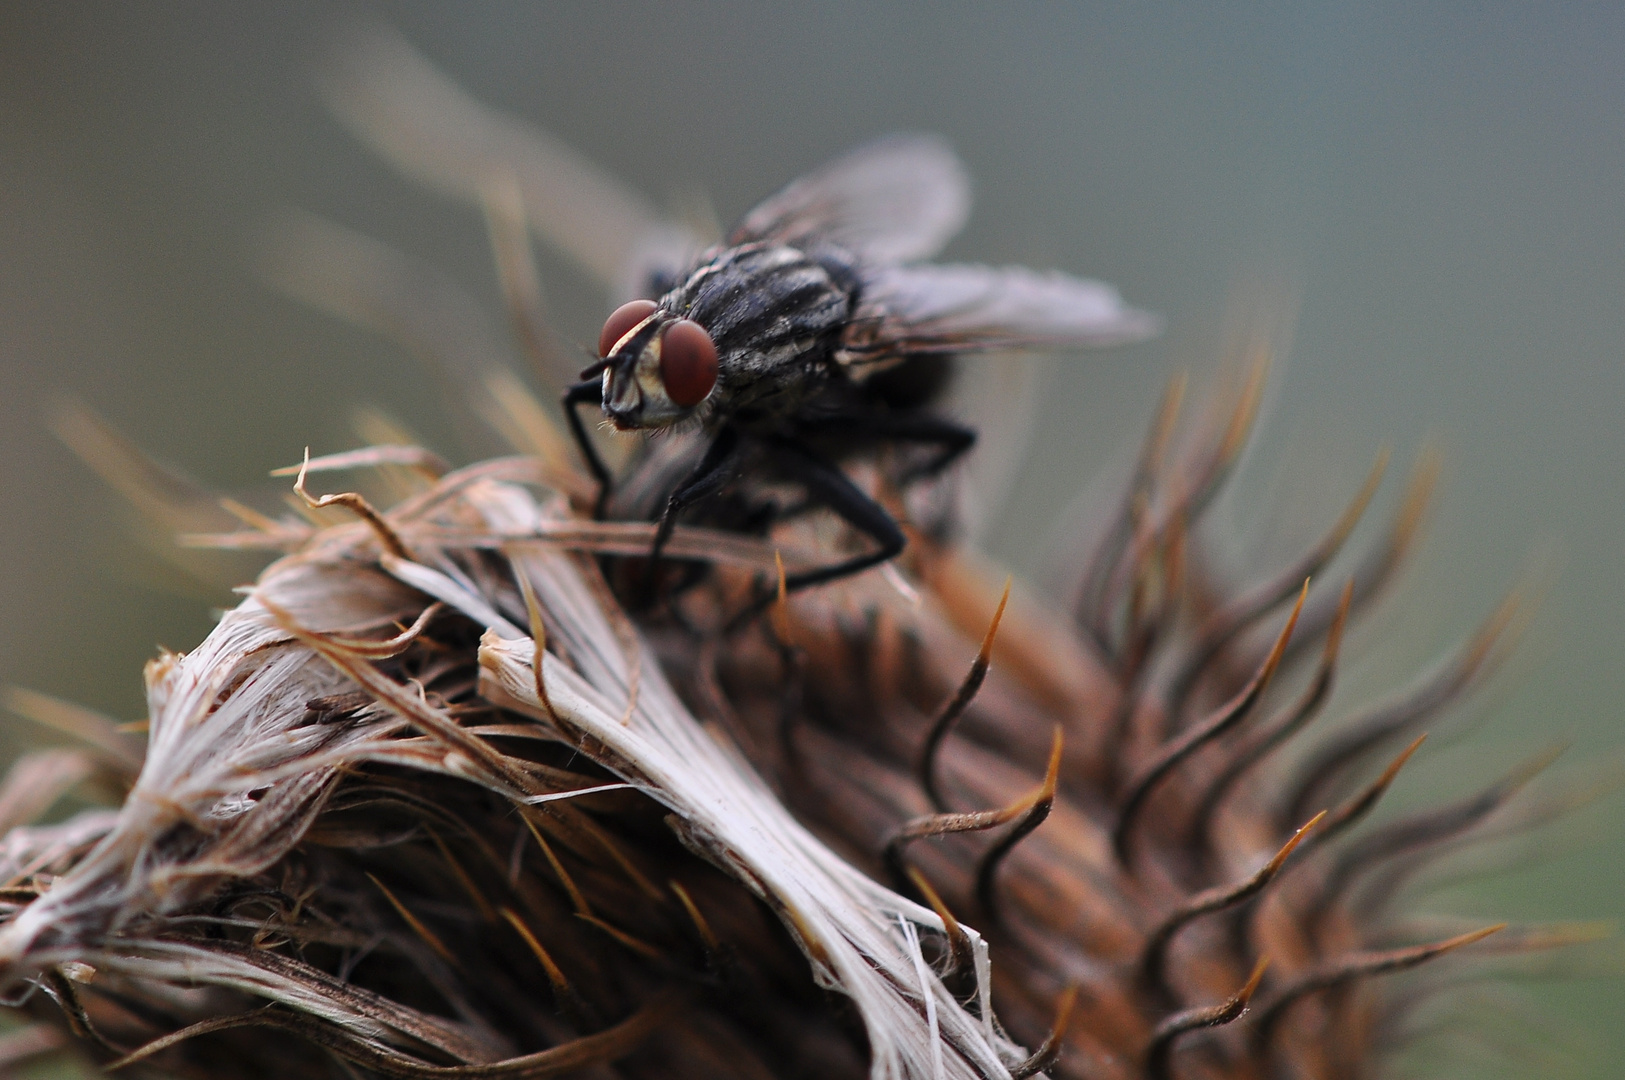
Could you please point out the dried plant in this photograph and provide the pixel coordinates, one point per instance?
(429, 803)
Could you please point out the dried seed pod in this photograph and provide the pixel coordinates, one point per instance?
(1154, 886)
(433, 840)
(430, 803)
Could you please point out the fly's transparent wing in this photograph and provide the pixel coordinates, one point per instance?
(962, 308)
(894, 200)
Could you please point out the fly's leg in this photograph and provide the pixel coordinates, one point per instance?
(714, 470)
(589, 392)
(829, 486)
(952, 439)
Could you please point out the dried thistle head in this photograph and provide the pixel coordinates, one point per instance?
(428, 802)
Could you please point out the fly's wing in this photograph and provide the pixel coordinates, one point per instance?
(911, 310)
(894, 200)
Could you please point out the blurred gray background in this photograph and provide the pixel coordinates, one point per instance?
(1439, 190)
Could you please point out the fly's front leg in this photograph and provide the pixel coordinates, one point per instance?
(588, 392)
(714, 470)
(829, 486)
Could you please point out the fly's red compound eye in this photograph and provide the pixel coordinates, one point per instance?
(621, 321)
(688, 363)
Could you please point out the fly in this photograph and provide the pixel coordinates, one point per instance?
(815, 328)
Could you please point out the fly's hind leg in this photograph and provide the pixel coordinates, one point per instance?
(829, 486)
(952, 439)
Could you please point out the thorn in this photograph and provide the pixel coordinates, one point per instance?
(251, 517)
(1563, 935)
(1334, 639)
(1103, 565)
(1357, 965)
(416, 924)
(1472, 662)
(707, 936)
(358, 506)
(429, 465)
(1041, 803)
(1378, 567)
(621, 859)
(538, 635)
(1045, 1057)
(577, 900)
(1241, 421)
(1236, 616)
(1284, 725)
(1418, 494)
(1159, 1052)
(780, 615)
(1153, 958)
(356, 1053)
(1356, 509)
(961, 953)
(564, 995)
(1211, 475)
(948, 824)
(971, 821)
(1162, 429)
(487, 912)
(1357, 807)
(1159, 564)
(985, 654)
(636, 944)
(1420, 830)
(957, 704)
(61, 990)
(383, 650)
(1217, 723)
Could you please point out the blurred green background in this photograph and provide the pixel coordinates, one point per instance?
(1439, 189)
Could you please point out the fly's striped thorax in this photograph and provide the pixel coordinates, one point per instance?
(776, 314)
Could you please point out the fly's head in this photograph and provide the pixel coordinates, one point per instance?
(657, 368)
